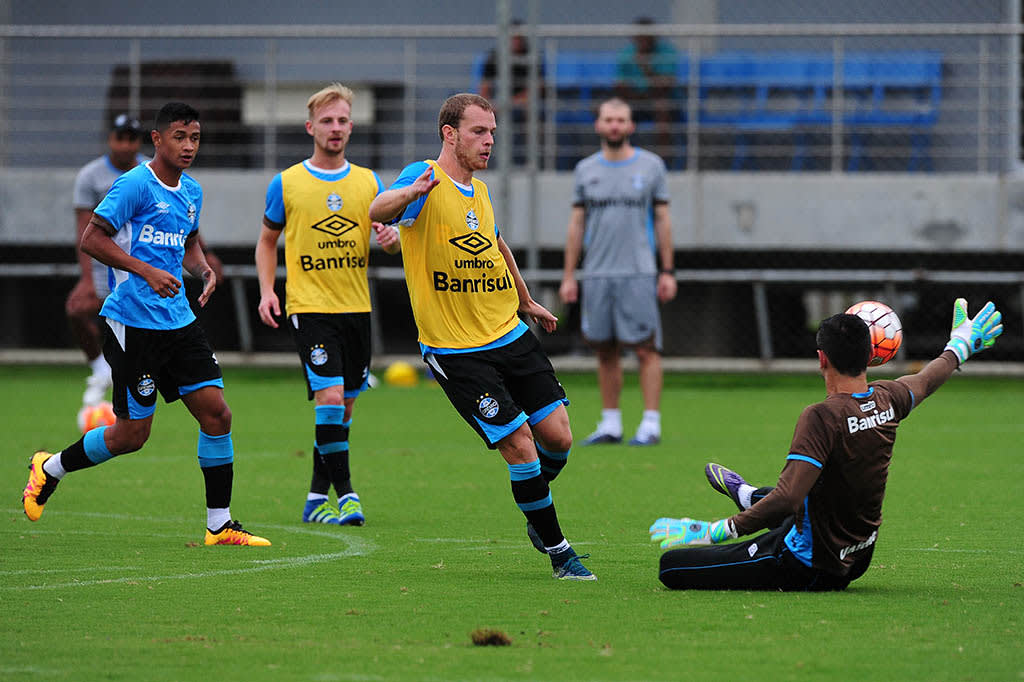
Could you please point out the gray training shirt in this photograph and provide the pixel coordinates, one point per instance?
(618, 199)
(94, 180)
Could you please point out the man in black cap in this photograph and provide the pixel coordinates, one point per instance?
(84, 301)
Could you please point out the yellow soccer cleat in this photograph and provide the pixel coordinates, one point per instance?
(232, 533)
(39, 487)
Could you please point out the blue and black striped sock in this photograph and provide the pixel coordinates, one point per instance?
(216, 459)
(332, 444)
(532, 495)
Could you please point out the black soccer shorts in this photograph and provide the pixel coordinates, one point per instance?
(498, 390)
(142, 361)
(334, 349)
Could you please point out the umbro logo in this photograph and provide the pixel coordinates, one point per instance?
(335, 225)
(162, 207)
(473, 243)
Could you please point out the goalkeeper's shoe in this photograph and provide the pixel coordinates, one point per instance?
(232, 533)
(320, 511)
(39, 487)
(566, 565)
(725, 481)
(350, 511)
(531, 532)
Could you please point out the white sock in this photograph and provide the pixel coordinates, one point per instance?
(651, 421)
(744, 494)
(316, 496)
(54, 467)
(611, 421)
(99, 365)
(216, 518)
(560, 547)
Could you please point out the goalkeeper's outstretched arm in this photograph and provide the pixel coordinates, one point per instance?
(968, 337)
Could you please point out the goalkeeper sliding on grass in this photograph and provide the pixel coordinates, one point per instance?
(825, 511)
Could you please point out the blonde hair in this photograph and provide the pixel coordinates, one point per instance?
(331, 93)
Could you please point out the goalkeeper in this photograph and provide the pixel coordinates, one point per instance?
(824, 513)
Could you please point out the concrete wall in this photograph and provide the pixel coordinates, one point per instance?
(714, 210)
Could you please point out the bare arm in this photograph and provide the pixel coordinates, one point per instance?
(266, 271)
(569, 291)
(933, 375)
(390, 203)
(667, 286)
(82, 217)
(97, 242)
(195, 263)
(527, 305)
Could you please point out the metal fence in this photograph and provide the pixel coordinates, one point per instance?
(853, 103)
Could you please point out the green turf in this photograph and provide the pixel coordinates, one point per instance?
(111, 585)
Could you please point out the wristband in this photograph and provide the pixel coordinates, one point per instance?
(667, 272)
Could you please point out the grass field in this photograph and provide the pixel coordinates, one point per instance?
(113, 583)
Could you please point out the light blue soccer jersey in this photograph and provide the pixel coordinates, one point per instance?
(153, 221)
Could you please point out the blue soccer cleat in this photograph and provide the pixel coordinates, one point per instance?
(602, 438)
(639, 440)
(567, 566)
(725, 481)
(351, 510)
(320, 511)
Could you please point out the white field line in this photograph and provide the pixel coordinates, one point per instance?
(355, 546)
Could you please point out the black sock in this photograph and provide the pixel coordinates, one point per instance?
(532, 495)
(218, 485)
(320, 484)
(73, 457)
(332, 442)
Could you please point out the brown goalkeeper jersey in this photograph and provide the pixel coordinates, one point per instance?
(838, 464)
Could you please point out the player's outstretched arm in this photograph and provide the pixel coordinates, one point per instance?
(390, 203)
(968, 336)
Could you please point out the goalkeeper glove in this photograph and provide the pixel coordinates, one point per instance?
(970, 336)
(674, 532)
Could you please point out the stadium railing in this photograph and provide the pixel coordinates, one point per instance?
(758, 279)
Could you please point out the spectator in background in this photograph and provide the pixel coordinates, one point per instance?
(519, 51)
(83, 303)
(646, 78)
(620, 212)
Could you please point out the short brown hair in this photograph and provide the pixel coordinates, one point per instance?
(332, 92)
(456, 105)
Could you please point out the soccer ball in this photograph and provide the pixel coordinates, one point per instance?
(401, 374)
(93, 416)
(886, 329)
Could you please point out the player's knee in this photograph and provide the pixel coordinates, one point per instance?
(218, 420)
(559, 442)
(127, 436)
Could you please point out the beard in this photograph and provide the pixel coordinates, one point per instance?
(614, 143)
(469, 161)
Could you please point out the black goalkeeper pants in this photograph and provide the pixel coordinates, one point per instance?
(761, 563)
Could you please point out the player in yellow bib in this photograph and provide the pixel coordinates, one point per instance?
(322, 205)
(467, 294)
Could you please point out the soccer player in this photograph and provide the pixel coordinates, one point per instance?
(825, 511)
(466, 292)
(84, 301)
(620, 214)
(146, 229)
(322, 204)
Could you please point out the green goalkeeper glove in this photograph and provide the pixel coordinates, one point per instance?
(970, 336)
(673, 532)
